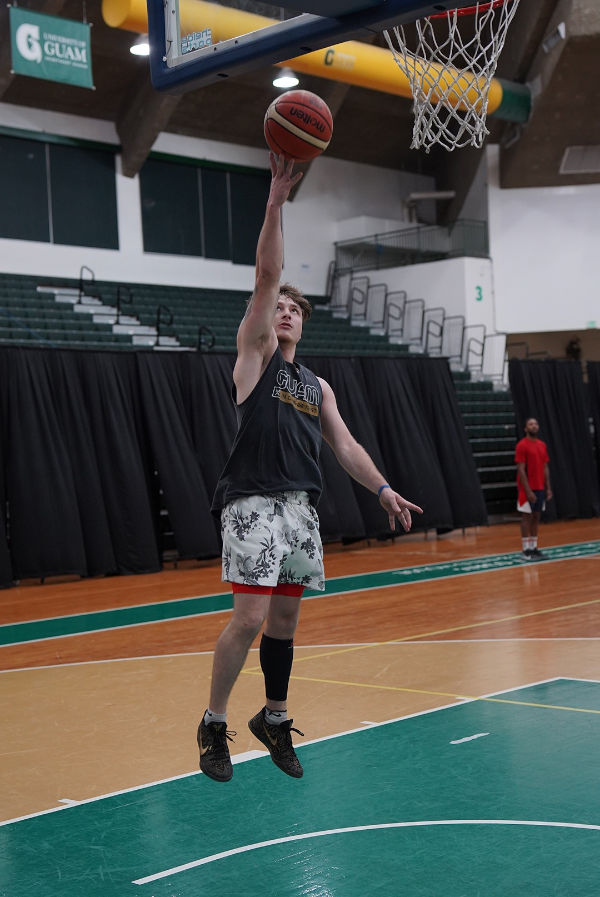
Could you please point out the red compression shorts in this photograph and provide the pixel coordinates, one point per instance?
(292, 590)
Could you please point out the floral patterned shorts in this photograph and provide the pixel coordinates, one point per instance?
(270, 539)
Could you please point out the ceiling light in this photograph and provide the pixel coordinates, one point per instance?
(286, 78)
(140, 47)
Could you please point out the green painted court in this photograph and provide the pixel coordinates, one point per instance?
(77, 624)
(496, 797)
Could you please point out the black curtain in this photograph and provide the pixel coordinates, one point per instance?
(553, 392)
(593, 373)
(6, 574)
(96, 447)
(423, 439)
(187, 500)
(347, 510)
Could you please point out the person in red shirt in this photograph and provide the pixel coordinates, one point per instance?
(533, 483)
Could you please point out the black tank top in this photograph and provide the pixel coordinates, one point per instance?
(278, 441)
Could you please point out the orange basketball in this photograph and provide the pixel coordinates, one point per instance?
(298, 125)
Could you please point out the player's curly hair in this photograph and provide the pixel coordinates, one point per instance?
(293, 293)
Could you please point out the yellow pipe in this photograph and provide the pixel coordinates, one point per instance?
(351, 62)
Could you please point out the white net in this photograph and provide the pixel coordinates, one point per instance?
(450, 71)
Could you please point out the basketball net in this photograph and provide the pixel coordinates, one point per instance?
(450, 72)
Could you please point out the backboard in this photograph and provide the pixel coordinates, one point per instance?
(193, 42)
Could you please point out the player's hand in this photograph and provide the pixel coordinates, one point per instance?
(398, 508)
(282, 179)
(549, 494)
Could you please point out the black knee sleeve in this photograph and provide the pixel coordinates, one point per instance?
(276, 656)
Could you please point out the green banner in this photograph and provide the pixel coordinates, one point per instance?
(50, 47)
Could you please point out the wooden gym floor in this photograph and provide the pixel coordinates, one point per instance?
(103, 681)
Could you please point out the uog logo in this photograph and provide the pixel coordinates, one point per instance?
(28, 42)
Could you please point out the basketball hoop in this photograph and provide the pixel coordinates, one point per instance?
(450, 73)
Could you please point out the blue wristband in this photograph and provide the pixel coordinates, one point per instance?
(381, 488)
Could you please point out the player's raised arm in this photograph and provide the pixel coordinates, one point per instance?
(256, 327)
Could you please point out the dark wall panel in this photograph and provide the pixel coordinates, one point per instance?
(23, 190)
(215, 214)
(83, 197)
(170, 208)
(249, 194)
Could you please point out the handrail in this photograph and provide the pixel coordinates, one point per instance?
(359, 297)
(331, 274)
(92, 281)
(414, 303)
(336, 285)
(201, 343)
(373, 291)
(494, 361)
(408, 246)
(454, 356)
(430, 323)
(390, 306)
(479, 345)
(541, 352)
(160, 310)
(121, 300)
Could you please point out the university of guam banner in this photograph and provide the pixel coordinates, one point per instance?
(49, 47)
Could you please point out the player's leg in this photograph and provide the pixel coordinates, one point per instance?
(271, 724)
(231, 650)
(536, 554)
(296, 532)
(277, 645)
(249, 611)
(526, 543)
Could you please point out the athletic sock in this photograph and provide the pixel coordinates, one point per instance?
(275, 717)
(533, 543)
(210, 717)
(525, 544)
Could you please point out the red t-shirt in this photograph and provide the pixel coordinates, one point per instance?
(534, 455)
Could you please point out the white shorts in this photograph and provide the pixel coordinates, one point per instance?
(271, 539)
(539, 505)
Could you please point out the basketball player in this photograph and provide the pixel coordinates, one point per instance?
(533, 483)
(267, 495)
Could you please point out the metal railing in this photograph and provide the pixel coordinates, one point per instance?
(124, 297)
(358, 296)
(394, 313)
(410, 322)
(87, 285)
(206, 338)
(376, 306)
(433, 330)
(164, 318)
(413, 245)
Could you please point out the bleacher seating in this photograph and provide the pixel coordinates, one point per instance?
(490, 424)
(33, 317)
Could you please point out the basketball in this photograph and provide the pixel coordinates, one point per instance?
(298, 125)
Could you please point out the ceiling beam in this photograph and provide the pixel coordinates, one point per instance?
(145, 114)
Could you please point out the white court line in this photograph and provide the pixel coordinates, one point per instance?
(470, 738)
(248, 756)
(258, 845)
(400, 643)
(365, 588)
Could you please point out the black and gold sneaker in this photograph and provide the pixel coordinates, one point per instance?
(215, 761)
(278, 741)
